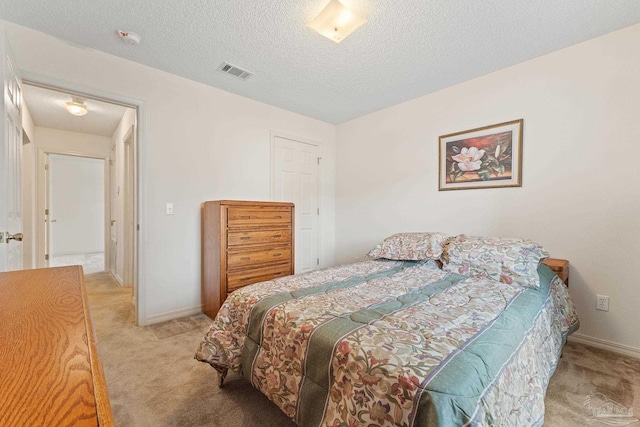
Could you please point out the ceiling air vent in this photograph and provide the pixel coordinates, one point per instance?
(235, 71)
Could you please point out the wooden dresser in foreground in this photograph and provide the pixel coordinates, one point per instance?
(243, 243)
(560, 267)
(50, 374)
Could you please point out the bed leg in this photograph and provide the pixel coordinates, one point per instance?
(221, 376)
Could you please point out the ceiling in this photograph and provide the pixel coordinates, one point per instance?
(408, 48)
(48, 109)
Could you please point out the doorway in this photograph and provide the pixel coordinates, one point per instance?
(76, 206)
(108, 132)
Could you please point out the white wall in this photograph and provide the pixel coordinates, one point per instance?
(580, 196)
(57, 141)
(77, 204)
(28, 127)
(200, 143)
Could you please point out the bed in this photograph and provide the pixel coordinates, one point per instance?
(404, 342)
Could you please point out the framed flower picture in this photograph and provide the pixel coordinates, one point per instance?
(486, 157)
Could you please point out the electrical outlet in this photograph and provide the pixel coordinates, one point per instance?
(169, 209)
(602, 302)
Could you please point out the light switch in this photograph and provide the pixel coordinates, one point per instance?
(169, 209)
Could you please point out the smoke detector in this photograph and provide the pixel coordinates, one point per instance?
(129, 37)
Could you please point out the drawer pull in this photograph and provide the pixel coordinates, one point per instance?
(278, 216)
(246, 258)
(246, 238)
(276, 255)
(245, 216)
(277, 236)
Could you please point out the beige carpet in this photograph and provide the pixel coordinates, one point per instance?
(153, 379)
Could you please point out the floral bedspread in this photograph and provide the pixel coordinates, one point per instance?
(395, 343)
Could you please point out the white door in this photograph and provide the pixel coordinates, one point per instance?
(76, 228)
(10, 168)
(295, 175)
(113, 235)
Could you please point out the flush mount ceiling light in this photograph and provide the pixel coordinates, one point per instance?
(129, 37)
(76, 108)
(336, 22)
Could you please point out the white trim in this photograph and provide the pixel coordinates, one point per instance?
(140, 239)
(140, 264)
(116, 277)
(613, 347)
(129, 216)
(173, 314)
(97, 251)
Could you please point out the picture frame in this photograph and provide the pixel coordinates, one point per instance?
(486, 157)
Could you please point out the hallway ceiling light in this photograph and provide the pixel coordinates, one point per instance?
(129, 37)
(76, 108)
(336, 22)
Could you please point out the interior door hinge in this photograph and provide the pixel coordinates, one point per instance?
(46, 257)
(319, 160)
(318, 211)
(46, 167)
(317, 261)
(46, 211)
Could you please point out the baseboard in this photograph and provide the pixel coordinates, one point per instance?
(613, 347)
(88, 252)
(174, 314)
(116, 278)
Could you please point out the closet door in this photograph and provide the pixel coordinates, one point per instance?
(296, 179)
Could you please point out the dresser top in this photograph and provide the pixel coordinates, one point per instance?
(250, 203)
(50, 371)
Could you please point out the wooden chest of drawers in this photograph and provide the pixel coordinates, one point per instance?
(49, 366)
(560, 267)
(243, 243)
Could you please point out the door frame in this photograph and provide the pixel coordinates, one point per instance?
(324, 261)
(43, 194)
(129, 163)
(140, 240)
(112, 266)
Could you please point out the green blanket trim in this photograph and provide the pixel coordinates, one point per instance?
(317, 376)
(259, 311)
(451, 396)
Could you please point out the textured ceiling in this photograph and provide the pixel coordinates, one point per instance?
(407, 49)
(48, 109)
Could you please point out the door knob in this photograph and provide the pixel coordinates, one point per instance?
(113, 221)
(17, 237)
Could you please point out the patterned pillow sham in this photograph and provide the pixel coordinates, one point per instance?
(411, 246)
(508, 260)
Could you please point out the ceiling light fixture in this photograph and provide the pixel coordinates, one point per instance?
(76, 108)
(336, 22)
(129, 37)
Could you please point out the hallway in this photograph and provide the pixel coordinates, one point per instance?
(91, 262)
